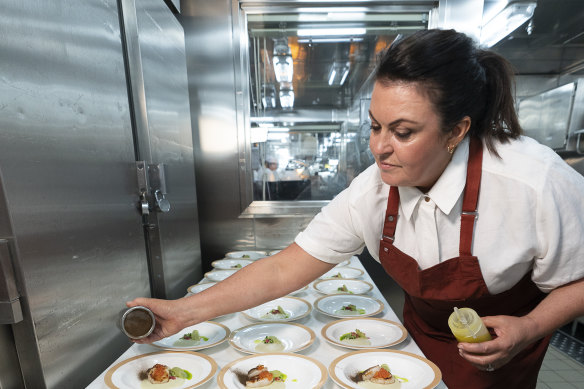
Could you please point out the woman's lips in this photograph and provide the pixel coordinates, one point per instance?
(387, 165)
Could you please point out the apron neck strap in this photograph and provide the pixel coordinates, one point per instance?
(471, 196)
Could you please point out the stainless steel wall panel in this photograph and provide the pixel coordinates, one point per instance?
(210, 66)
(163, 60)
(67, 156)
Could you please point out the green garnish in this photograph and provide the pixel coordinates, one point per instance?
(343, 289)
(194, 336)
(354, 335)
(278, 375)
(180, 373)
(353, 308)
(245, 256)
(238, 266)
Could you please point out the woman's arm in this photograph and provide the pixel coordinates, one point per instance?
(561, 306)
(261, 281)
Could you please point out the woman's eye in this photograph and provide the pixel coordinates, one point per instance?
(403, 135)
(375, 128)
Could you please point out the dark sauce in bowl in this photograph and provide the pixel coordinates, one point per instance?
(138, 322)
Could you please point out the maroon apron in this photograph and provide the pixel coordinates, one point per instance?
(432, 294)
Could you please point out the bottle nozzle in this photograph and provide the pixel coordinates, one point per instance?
(462, 318)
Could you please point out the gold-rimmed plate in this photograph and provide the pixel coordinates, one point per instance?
(411, 370)
(342, 272)
(194, 289)
(219, 275)
(230, 263)
(215, 333)
(128, 374)
(302, 372)
(295, 308)
(380, 333)
(336, 305)
(251, 255)
(293, 337)
(335, 286)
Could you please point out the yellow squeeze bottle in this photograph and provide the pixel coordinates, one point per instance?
(467, 326)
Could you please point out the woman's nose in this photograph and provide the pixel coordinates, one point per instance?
(381, 143)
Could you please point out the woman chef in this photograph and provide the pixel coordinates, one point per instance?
(460, 208)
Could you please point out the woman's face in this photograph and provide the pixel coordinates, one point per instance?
(406, 138)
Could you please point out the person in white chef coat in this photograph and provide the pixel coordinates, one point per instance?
(459, 208)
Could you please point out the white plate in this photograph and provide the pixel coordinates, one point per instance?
(345, 272)
(272, 252)
(297, 291)
(296, 309)
(294, 337)
(216, 333)
(381, 333)
(251, 255)
(330, 305)
(200, 287)
(331, 286)
(218, 275)
(125, 375)
(346, 262)
(420, 372)
(230, 263)
(303, 372)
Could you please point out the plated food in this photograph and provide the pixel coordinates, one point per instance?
(282, 309)
(361, 333)
(342, 273)
(251, 255)
(335, 286)
(230, 263)
(156, 370)
(219, 275)
(200, 287)
(390, 368)
(300, 372)
(346, 305)
(198, 337)
(272, 337)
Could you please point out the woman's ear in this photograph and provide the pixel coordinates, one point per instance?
(459, 131)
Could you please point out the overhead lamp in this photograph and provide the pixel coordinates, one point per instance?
(283, 64)
(331, 31)
(269, 95)
(329, 40)
(506, 21)
(338, 73)
(286, 95)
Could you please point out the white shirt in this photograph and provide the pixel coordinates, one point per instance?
(531, 218)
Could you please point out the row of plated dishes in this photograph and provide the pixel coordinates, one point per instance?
(274, 339)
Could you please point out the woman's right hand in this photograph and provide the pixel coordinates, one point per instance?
(168, 316)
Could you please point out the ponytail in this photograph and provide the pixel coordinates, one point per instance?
(499, 120)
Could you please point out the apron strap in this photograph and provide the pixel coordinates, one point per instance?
(391, 212)
(471, 196)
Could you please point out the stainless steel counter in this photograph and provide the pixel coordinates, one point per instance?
(320, 350)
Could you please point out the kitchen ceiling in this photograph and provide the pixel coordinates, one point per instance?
(551, 43)
(328, 72)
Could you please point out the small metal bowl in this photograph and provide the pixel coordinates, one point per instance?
(137, 322)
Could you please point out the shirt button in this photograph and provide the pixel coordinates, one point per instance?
(426, 198)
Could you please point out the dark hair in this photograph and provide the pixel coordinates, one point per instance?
(459, 78)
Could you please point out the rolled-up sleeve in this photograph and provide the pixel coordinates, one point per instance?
(560, 228)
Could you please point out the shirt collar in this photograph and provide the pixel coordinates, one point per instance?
(446, 191)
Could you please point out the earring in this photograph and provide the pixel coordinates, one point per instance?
(451, 148)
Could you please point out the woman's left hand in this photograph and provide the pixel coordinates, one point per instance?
(513, 335)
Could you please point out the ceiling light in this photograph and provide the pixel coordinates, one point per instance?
(283, 63)
(286, 95)
(329, 40)
(331, 31)
(506, 21)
